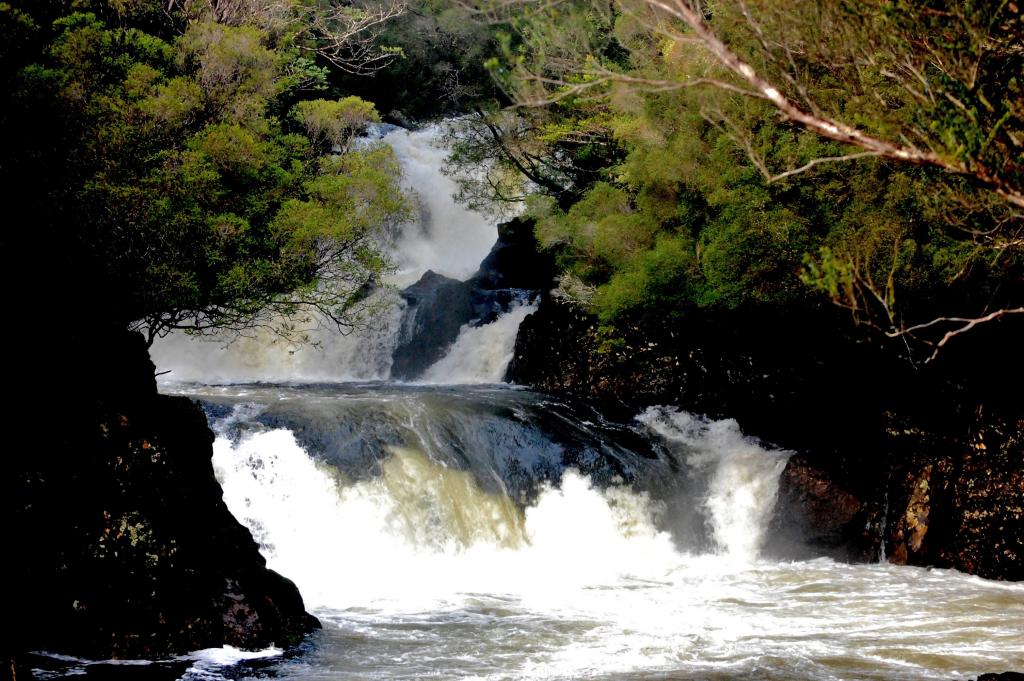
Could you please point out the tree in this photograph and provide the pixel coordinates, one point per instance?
(333, 124)
(927, 92)
(499, 157)
(345, 33)
(156, 169)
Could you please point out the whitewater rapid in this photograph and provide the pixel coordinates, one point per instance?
(461, 533)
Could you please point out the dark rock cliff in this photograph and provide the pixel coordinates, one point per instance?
(927, 462)
(121, 544)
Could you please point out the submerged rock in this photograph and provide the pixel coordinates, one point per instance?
(124, 546)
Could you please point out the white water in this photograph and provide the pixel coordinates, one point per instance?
(422, 535)
(420, 572)
(207, 663)
(480, 354)
(445, 237)
(743, 476)
(463, 539)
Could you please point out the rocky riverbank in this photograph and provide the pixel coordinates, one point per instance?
(120, 543)
(925, 464)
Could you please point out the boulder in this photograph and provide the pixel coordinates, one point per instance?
(437, 308)
(125, 548)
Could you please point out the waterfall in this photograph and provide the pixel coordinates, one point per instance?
(476, 495)
(327, 355)
(489, 532)
(740, 476)
(495, 533)
(480, 354)
(354, 542)
(446, 238)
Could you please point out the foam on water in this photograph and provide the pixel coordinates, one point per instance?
(418, 571)
(423, 516)
(207, 664)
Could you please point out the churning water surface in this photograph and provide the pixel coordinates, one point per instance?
(492, 533)
(487, 532)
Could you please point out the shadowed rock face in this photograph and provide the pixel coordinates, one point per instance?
(125, 547)
(960, 502)
(438, 306)
(515, 262)
(819, 512)
(930, 460)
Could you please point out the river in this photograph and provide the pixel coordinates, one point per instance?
(455, 527)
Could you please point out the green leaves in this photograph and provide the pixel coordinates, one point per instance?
(759, 211)
(334, 123)
(170, 187)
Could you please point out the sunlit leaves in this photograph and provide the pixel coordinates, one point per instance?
(173, 181)
(334, 123)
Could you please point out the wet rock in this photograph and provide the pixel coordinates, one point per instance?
(816, 510)
(515, 261)
(125, 546)
(927, 458)
(437, 307)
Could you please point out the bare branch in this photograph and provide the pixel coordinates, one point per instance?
(600, 77)
(967, 324)
(348, 34)
(819, 161)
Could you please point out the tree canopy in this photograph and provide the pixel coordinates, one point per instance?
(718, 154)
(179, 167)
(199, 164)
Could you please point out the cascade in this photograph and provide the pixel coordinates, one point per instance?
(442, 525)
(480, 354)
(494, 533)
(482, 495)
(740, 476)
(445, 239)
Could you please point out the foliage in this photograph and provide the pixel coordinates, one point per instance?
(155, 164)
(763, 209)
(334, 123)
(439, 49)
(498, 158)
